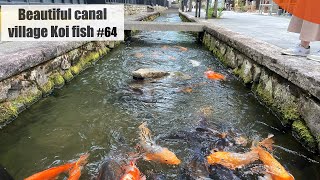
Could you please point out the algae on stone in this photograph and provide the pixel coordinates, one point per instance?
(58, 80)
(265, 95)
(7, 112)
(304, 134)
(47, 88)
(26, 100)
(67, 76)
(75, 70)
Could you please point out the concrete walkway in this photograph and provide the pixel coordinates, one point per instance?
(271, 29)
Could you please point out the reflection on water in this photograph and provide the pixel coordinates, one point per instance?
(100, 111)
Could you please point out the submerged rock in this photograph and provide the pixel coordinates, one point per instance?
(148, 73)
(180, 76)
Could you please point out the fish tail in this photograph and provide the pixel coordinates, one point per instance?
(267, 143)
(83, 160)
(145, 134)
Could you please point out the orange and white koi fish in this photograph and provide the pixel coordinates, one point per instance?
(272, 166)
(214, 75)
(132, 173)
(51, 173)
(155, 152)
(232, 160)
(75, 172)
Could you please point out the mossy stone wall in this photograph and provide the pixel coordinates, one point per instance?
(298, 110)
(19, 92)
(283, 97)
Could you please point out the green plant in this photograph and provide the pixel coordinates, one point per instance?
(210, 12)
(242, 6)
(220, 12)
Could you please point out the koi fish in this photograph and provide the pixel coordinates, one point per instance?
(273, 167)
(155, 152)
(139, 55)
(186, 90)
(214, 75)
(110, 169)
(172, 58)
(165, 47)
(181, 48)
(232, 160)
(132, 173)
(75, 172)
(51, 173)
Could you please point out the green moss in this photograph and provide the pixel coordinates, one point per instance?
(237, 71)
(240, 73)
(67, 76)
(264, 95)
(47, 88)
(290, 112)
(304, 134)
(58, 80)
(28, 99)
(7, 112)
(75, 70)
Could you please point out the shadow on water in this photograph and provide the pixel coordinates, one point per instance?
(100, 110)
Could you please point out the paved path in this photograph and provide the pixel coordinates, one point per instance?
(271, 29)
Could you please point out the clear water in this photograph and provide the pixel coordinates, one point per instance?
(99, 112)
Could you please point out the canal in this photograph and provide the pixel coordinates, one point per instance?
(100, 110)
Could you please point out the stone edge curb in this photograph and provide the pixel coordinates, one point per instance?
(301, 72)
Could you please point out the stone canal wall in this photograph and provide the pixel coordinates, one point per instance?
(289, 86)
(133, 9)
(32, 70)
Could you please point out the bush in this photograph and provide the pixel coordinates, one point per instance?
(219, 13)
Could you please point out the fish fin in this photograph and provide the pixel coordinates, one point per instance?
(267, 143)
(82, 160)
(147, 158)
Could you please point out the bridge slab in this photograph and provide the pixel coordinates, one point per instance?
(163, 26)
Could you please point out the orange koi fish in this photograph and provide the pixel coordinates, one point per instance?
(214, 75)
(51, 173)
(132, 173)
(75, 172)
(181, 48)
(186, 90)
(232, 160)
(164, 47)
(155, 152)
(273, 167)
